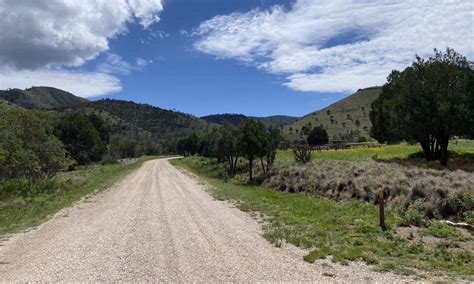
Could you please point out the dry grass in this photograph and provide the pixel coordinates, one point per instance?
(433, 193)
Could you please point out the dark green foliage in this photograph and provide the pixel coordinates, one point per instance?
(221, 144)
(85, 137)
(317, 136)
(41, 97)
(28, 147)
(268, 149)
(302, 153)
(429, 102)
(165, 126)
(274, 121)
(187, 146)
(132, 146)
(226, 119)
(250, 142)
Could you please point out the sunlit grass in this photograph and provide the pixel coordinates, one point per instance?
(379, 152)
(344, 231)
(18, 213)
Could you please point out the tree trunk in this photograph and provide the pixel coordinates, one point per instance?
(250, 169)
(425, 145)
(263, 166)
(444, 141)
(235, 164)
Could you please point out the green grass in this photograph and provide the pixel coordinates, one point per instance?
(18, 213)
(461, 147)
(346, 231)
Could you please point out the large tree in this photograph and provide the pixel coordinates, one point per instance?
(85, 137)
(250, 141)
(28, 147)
(317, 136)
(225, 146)
(270, 143)
(429, 102)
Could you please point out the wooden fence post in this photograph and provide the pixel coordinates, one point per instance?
(382, 209)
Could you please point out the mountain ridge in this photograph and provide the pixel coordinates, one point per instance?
(41, 97)
(235, 119)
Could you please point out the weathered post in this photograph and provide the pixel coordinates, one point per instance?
(382, 209)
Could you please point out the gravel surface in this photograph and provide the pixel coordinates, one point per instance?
(159, 224)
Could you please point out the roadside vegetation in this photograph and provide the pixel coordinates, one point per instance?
(25, 202)
(346, 230)
(459, 148)
(47, 163)
(326, 200)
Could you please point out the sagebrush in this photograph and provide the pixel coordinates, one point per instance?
(440, 194)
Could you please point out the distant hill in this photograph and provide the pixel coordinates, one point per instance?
(346, 120)
(164, 125)
(237, 119)
(225, 119)
(276, 121)
(41, 97)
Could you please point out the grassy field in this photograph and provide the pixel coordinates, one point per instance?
(344, 231)
(21, 212)
(382, 152)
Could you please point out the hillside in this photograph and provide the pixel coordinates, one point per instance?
(237, 119)
(275, 120)
(164, 125)
(225, 119)
(41, 97)
(346, 120)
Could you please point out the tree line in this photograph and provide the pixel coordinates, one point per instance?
(252, 141)
(37, 144)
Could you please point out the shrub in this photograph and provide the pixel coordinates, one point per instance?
(302, 153)
(28, 147)
(28, 188)
(85, 137)
(419, 193)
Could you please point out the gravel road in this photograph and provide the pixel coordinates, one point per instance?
(160, 224)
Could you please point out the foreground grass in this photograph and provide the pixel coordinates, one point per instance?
(460, 147)
(346, 231)
(20, 213)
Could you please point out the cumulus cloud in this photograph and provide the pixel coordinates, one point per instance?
(82, 84)
(39, 39)
(339, 46)
(39, 34)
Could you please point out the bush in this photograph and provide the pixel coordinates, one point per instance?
(28, 188)
(438, 194)
(28, 147)
(85, 137)
(302, 153)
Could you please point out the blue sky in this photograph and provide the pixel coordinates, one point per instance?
(190, 81)
(256, 57)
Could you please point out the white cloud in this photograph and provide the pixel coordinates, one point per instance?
(81, 84)
(39, 34)
(339, 46)
(145, 10)
(39, 38)
(114, 64)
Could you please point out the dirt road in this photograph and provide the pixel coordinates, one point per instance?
(159, 224)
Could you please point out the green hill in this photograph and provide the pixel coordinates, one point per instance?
(237, 119)
(225, 119)
(41, 97)
(164, 125)
(346, 120)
